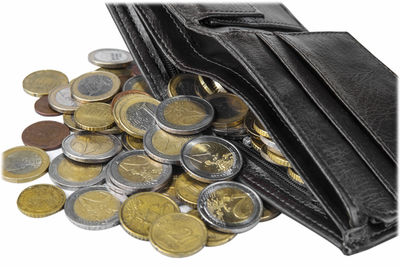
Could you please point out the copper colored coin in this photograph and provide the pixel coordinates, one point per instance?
(47, 135)
(120, 94)
(42, 107)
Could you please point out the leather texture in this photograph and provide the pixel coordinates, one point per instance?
(328, 103)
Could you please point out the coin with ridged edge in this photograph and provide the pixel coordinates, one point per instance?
(183, 84)
(210, 159)
(295, 177)
(282, 161)
(112, 58)
(69, 120)
(184, 115)
(41, 82)
(230, 207)
(94, 116)
(60, 99)
(41, 200)
(139, 211)
(137, 83)
(188, 189)
(93, 208)
(269, 213)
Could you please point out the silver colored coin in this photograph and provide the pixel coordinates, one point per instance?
(163, 146)
(184, 115)
(211, 159)
(232, 194)
(87, 147)
(60, 99)
(93, 212)
(110, 58)
(271, 145)
(96, 173)
(133, 171)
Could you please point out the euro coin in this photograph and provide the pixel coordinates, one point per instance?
(41, 82)
(24, 164)
(256, 144)
(295, 177)
(184, 115)
(60, 99)
(282, 161)
(183, 84)
(137, 83)
(249, 125)
(188, 189)
(209, 85)
(230, 207)
(269, 213)
(131, 143)
(43, 108)
(69, 121)
(260, 129)
(271, 145)
(230, 110)
(110, 58)
(94, 116)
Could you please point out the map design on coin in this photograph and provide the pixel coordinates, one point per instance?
(139, 168)
(141, 115)
(184, 113)
(96, 205)
(21, 162)
(95, 85)
(91, 144)
(169, 144)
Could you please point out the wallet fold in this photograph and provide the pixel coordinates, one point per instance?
(328, 103)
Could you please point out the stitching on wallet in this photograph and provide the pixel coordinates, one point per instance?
(249, 21)
(349, 137)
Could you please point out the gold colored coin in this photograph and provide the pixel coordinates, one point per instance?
(183, 84)
(41, 82)
(113, 130)
(210, 86)
(70, 122)
(292, 174)
(91, 144)
(214, 237)
(24, 163)
(188, 189)
(256, 144)
(260, 129)
(41, 200)
(249, 125)
(139, 211)
(230, 110)
(269, 213)
(169, 144)
(78, 172)
(278, 159)
(184, 113)
(131, 143)
(94, 116)
(95, 86)
(178, 235)
(96, 205)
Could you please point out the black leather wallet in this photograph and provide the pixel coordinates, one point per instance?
(327, 101)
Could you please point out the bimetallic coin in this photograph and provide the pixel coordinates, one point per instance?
(210, 159)
(89, 147)
(42, 107)
(95, 86)
(164, 147)
(139, 211)
(46, 135)
(110, 58)
(282, 161)
(135, 114)
(230, 207)
(41, 200)
(130, 92)
(214, 238)
(24, 164)
(40, 82)
(294, 176)
(131, 143)
(137, 83)
(93, 208)
(230, 110)
(134, 171)
(94, 116)
(183, 84)
(188, 189)
(184, 115)
(69, 120)
(260, 129)
(269, 213)
(72, 175)
(60, 99)
(178, 234)
(271, 145)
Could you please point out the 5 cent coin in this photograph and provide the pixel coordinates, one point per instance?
(46, 135)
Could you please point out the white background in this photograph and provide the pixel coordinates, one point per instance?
(58, 35)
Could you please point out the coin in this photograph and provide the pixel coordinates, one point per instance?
(271, 145)
(95, 86)
(184, 115)
(229, 207)
(92, 208)
(164, 147)
(134, 171)
(235, 132)
(137, 83)
(230, 110)
(249, 124)
(214, 238)
(24, 163)
(40, 82)
(110, 58)
(188, 189)
(178, 234)
(269, 213)
(136, 114)
(69, 120)
(282, 161)
(123, 74)
(256, 144)
(183, 84)
(260, 129)
(210, 86)
(170, 190)
(210, 159)
(121, 94)
(90, 147)
(113, 130)
(60, 99)
(139, 211)
(94, 116)
(41, 200)
(42, 107)
(72, 175)
(294, 176)
(46, 135)
(131, 143)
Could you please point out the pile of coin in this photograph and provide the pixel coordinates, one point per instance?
(138, 162)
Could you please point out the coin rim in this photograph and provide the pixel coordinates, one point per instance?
(57, 106)
(107, 124)
(110, 65)
(175, 80)
(32, 93)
